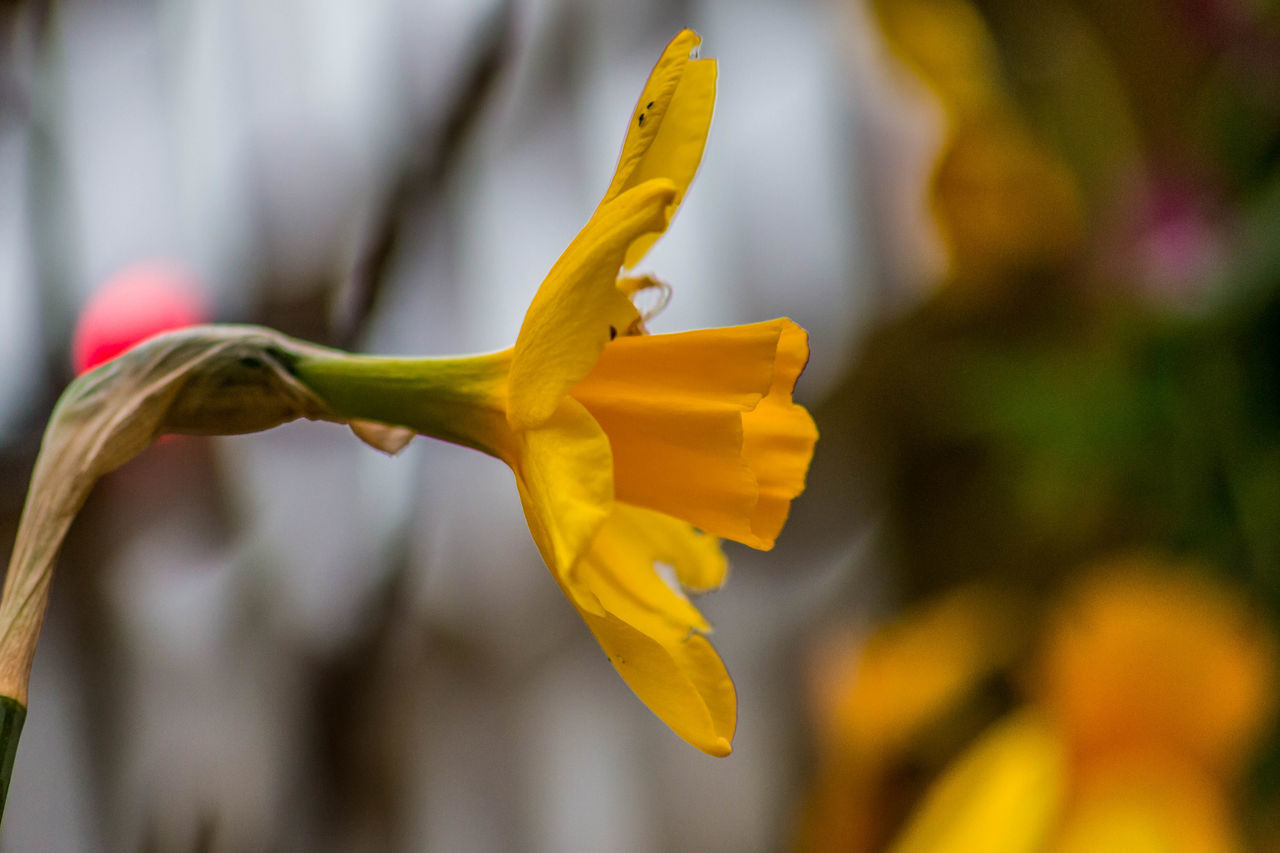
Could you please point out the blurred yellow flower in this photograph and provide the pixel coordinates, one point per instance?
(1154, 686)
(1003, 201)
(875, 696)
(1153, 807)
(622, 441)
(881, 703)
(1005, 204)
(1016, 791)
(1000, 797)
(1147, 658)
(946, 42)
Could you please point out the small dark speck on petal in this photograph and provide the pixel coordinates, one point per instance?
(649, 105)
(640, 120)
(613, 333)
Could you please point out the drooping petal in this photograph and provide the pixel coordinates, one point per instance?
(621, 571)
(668, 129)
(681, 415)
(695, 557)
(564, 474)
(683, 682)
(578, 308)
(603, 555)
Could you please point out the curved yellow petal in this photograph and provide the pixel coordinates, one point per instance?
(882, 693)
(668, 130)
(578, 309)
(683, 682)
(695, 557)
(564, 474)
(621, 571)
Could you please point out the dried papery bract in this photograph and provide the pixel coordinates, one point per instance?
(207, 380)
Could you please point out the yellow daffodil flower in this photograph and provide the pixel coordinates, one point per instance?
(632, 452)
(1145, 657)
(1003, 200)
(621, 441)
(1154, 687)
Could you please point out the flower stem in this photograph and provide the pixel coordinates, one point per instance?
(12, 715)
(460, 400)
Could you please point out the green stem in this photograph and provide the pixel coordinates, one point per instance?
(459, 399)
(12, 716)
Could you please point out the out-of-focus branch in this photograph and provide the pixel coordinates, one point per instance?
(433, 153)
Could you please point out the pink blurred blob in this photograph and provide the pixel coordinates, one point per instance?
(141, 300)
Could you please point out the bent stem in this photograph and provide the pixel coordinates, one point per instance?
(211, 380)
(216, 380)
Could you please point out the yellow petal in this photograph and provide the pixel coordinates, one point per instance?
(668, 129)
(1002, 796)
(683, 682)
(621, 572)
(949, 45)
(564, 474)
(879, 693)
(696, 558)
(578, 308)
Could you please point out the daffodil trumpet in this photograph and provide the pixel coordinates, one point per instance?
(632, 453)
